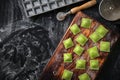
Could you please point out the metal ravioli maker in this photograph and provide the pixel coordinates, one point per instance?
(36, 7)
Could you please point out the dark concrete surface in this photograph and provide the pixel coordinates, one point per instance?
(22, 54)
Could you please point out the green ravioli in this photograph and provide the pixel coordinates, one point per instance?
(93, 52)
(101, 30)
(105, 46)
(94, 64)
(75, 29)
(67, 57)
(67, 75)
(80, 64)
(68, 43)
(78, 50)
(84, 76)
(86, 22)
(95, 37)
(81, 39)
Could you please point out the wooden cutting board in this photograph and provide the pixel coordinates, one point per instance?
(55, 67)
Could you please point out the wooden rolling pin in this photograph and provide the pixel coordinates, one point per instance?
(84, 6)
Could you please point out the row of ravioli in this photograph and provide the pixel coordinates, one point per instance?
(81, 41)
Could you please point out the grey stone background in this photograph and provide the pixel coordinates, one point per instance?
(15, 28)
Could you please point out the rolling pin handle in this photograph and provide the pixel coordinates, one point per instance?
(84, 6)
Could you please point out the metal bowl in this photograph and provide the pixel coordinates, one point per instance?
(110, 9)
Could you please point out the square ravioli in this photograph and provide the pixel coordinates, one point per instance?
(93, 52)
(80, 64)
(101, 30)
(82, 39)
(75, 29)
(68, 43)
(86, 22)
(78, 50)
(84, 76)
(94, 64)
(67, 75)
(95, 37)
(105, 46)
(67, 57)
